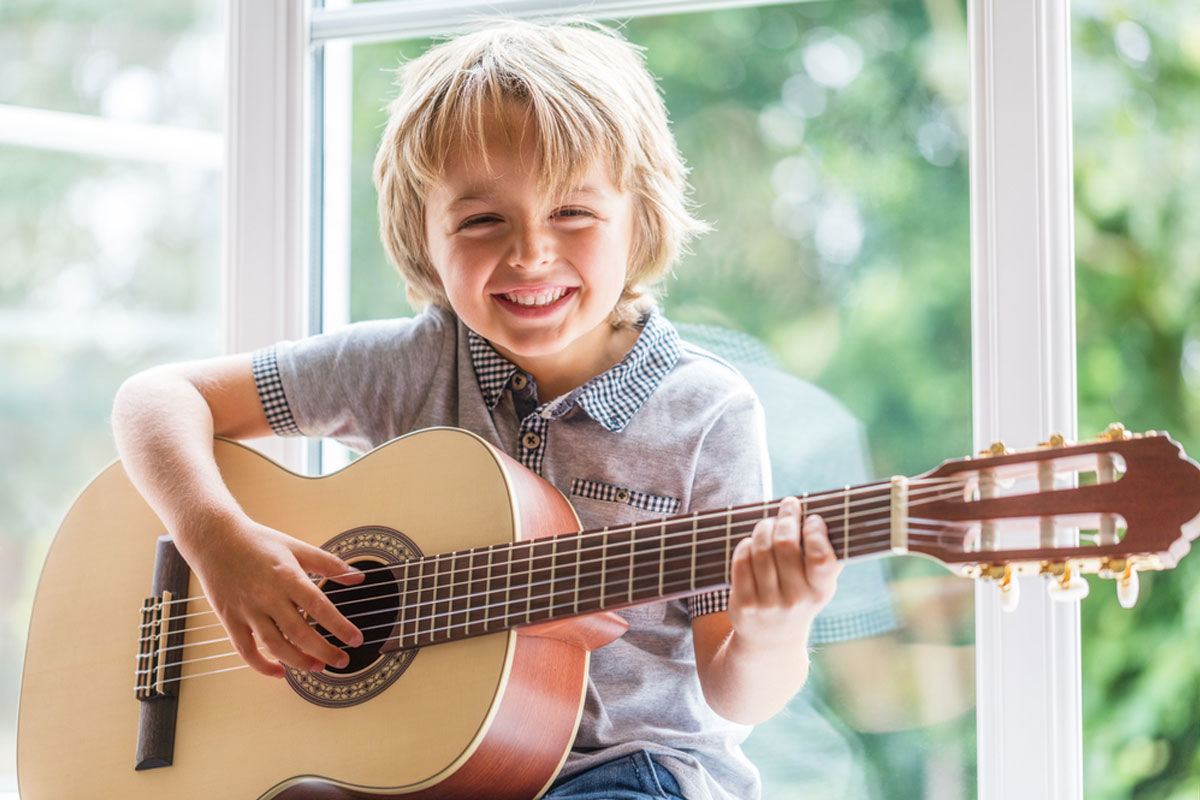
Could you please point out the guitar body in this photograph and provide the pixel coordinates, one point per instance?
(447, 726)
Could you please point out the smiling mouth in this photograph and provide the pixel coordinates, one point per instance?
(538, 299)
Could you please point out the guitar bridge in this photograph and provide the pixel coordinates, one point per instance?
(160, 657)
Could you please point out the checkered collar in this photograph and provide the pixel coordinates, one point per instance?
(612, 397)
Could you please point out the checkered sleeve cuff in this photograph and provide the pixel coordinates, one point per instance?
(270, 393)
(708, 603)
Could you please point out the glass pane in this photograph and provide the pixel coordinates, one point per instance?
(106, 267)
(151, 61)
(827, 145)
(1136, 71)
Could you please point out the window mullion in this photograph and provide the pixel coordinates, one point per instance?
(265, 265)
(1023, 318)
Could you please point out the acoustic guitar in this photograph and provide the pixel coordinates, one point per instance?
(482, 602)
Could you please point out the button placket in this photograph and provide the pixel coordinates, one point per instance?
(533, 442)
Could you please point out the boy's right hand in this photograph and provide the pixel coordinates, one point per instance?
(256, 579)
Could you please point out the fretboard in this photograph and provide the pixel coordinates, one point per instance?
(488, 589)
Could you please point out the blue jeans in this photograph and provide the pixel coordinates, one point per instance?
(631, 777)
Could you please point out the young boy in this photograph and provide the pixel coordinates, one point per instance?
(531, 193)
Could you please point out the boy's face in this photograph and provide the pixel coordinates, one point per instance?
(536, 276)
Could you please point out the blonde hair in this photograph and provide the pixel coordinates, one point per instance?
(586, 95)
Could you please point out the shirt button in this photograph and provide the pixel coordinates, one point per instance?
(519, 381)
(622, 495)
(530, 441)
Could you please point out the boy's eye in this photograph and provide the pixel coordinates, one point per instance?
(482, 219)
(573, 212)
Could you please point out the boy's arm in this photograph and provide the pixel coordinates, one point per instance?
(753, 658)
(164, 420)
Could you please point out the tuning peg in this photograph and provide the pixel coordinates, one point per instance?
(996, 449)
(1127, 587)
(1010, 591)
(1115, 432)
(1067, 586)
(1055, 440)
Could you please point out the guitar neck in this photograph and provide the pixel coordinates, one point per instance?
(484, 590)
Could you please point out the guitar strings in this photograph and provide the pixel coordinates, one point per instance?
(687, 584)
(528, 561)
(882, 490)
(579, 553)
(929, 486)
(584, 550)
(506, 619)
(862, 540)
(864, 546)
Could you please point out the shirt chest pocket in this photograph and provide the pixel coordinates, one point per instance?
(622, 503)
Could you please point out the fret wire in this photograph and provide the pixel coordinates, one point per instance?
(553, 565)
(449, 593)
(662, 555)
(529, 583)
(508, 584)
(728, 538)
(470, 581)
(421, 590)
(695, 543)
(603, 564)
(846, 518)
(632, 542)
(578, 566)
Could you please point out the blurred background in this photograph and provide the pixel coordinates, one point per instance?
(828, 148)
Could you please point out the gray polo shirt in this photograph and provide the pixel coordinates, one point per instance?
(671, 429)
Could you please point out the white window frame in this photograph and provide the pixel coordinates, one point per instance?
(1022, 276)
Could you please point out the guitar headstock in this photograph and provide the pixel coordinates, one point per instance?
(1113, 506)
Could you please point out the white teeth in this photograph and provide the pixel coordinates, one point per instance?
(542, 298)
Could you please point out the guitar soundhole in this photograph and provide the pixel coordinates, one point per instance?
(372, 606)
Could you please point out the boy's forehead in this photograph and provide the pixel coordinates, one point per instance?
(468, 183)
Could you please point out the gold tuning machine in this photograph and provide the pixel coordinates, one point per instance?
(1125, 573)
(1115, 432)
(996, 449)
(1067, 584)
(1006, 582)
(1055, 440)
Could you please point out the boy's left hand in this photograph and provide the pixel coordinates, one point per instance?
(778, 586)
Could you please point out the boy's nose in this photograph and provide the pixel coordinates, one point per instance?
(532, 246)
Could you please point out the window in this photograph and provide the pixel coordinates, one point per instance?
(828, 147)
(110, 230)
